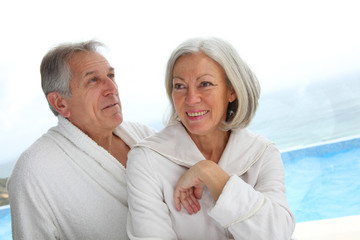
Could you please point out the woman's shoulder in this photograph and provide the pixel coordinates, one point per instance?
(133, 132)
(254, 143)
(138, 129)
(247, 135)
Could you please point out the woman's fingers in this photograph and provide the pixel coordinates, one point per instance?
(193, 202)
(188, 190)
(177, 199)
(198, 191)
(187, 199)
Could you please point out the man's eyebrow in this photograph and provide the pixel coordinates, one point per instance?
(90, 73)
(111, 69)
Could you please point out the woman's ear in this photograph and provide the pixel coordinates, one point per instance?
(58, 102)
(232, 94)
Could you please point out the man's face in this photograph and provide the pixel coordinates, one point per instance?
(94, 105)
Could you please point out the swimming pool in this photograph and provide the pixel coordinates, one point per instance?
(322, 182)
(5, 223)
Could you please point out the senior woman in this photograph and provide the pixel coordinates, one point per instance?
(231, 180)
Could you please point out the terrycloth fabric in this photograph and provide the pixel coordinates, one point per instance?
(252, 204)
(65, 186)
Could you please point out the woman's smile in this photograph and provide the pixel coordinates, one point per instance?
(197, 114)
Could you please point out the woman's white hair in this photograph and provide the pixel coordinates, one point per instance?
(238, 76)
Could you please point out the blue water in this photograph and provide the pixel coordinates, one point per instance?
(5, 223)
(322, 182)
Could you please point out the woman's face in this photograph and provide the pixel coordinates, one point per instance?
(200, 93)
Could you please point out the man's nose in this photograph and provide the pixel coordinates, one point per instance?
(110, 86)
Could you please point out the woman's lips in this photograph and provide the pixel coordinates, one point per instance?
(197, 114)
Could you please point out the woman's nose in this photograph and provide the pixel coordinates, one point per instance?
(192, 96)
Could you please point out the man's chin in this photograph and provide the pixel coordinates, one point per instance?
(117, 118)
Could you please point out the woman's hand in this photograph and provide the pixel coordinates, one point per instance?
(188, 190)
(190, 186)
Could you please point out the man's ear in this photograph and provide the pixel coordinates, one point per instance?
(58, 102)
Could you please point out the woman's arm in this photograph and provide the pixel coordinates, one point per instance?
(258, 211)
(190, 186)
(148, 212)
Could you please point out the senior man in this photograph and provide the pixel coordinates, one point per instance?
(70, 183)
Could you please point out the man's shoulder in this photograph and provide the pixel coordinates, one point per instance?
(38, 153)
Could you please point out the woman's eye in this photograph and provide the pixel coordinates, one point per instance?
(178, 86)
(206, 84)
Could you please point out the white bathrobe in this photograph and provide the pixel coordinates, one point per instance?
(252, 204)
(65, 186)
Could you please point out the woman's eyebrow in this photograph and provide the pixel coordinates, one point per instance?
(180, 78)
(204, 75)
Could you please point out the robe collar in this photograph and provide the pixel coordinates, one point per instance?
(241, 152)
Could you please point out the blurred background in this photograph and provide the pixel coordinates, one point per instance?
(306, 55)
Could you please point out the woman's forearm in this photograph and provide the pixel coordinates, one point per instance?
(214, 177)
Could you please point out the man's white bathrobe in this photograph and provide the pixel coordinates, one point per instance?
(252, 204)
(65, 186)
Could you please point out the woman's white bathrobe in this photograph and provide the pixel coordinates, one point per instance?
(65, 186)
(252, 205)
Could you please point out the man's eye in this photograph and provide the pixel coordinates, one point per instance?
(93, 80)
(111, 75)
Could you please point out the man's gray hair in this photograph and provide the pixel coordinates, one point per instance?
(238, 76)
(55, 71)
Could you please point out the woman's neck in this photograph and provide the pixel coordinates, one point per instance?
(212, 146)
